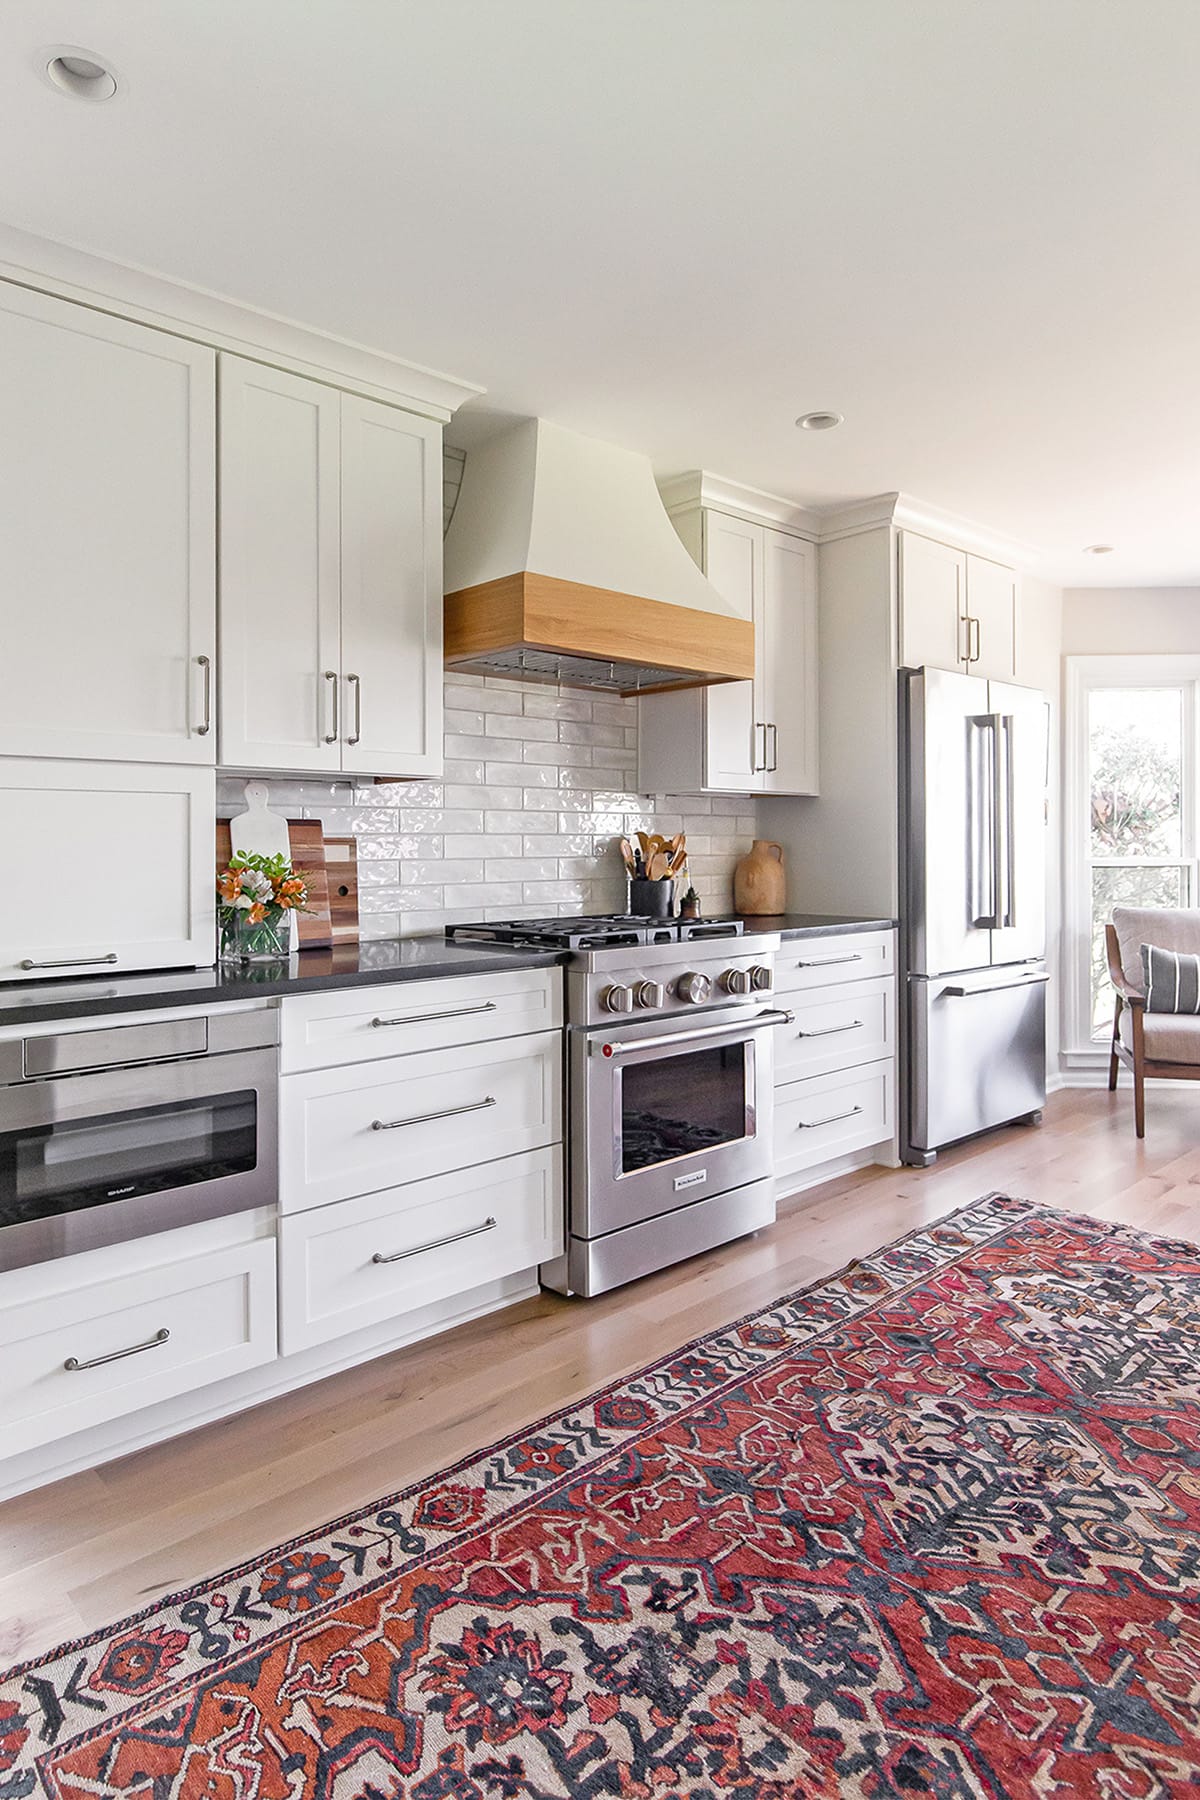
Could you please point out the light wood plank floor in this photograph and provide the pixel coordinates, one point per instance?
(97, 1546)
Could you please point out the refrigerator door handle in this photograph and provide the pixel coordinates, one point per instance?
(982, 778)
(995, 987)
(1002, 818)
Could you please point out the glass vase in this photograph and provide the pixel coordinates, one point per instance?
(267, 941)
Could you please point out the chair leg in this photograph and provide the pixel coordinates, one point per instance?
(1113, 1064)
(1139, 1074)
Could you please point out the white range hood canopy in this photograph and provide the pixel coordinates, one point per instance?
(562, 564)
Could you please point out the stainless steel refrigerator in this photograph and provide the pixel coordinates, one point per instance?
(973, 785)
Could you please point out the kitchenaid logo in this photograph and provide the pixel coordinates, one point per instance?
(696, 1179)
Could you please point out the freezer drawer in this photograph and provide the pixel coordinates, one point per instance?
(976, 1052)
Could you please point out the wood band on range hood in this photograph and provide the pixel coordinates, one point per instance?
(545, 613)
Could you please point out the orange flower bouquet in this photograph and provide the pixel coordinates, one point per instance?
(256, 896)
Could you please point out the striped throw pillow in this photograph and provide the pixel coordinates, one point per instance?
(1172, 980)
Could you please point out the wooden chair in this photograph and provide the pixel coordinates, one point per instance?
(1165, 1045)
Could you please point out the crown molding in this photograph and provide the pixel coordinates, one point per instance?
(210, 318)
(697, 487)
(906, 513)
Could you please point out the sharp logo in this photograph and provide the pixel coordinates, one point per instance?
(115, 1193)
(696, 1179)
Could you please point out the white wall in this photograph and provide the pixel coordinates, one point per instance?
(1040, 610)
(1160, 621)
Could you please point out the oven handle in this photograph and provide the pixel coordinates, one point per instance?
(669, 1039)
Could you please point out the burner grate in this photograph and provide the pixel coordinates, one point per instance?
(603, 931)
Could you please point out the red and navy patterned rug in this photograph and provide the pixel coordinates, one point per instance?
(931, 1529)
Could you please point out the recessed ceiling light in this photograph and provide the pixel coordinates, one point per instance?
(819, 421)
(80, 73)
(1097, 549)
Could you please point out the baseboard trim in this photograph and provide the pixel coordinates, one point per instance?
(882, 1155)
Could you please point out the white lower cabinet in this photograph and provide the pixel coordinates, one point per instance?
(420, 1147)
(835, 1064)
(831, 1115)
(108, 1343)
(358, 1130)
(366, 1260)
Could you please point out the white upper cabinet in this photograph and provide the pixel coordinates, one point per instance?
(957, 610)
(331, 590)
(744, 737)
(992, 606)
(392, 666)
(787, 654)
(123, 854)
(280, 563)
(107, 536)
(732, 560)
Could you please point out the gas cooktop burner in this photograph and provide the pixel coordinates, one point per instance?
(603, 932)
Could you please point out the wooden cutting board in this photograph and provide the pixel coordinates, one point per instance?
(306, 843)
(341, 867)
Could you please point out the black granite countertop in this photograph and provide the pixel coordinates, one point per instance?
(801, 925)
(369, 964)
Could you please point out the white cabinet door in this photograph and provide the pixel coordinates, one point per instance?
(787, 639)
(992, 605)
(391, 591)
(280, 557)
(107, 536)
(733, 734)
(933, 604)
(107, 865)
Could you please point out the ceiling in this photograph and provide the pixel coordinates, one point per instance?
(971, 226)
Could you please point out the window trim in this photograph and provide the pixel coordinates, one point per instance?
(1082, 675)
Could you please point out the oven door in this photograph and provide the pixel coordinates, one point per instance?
(666, 1114)
(97, 1158)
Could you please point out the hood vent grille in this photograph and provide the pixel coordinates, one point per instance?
(575, 671)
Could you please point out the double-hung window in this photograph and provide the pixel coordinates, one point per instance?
(1131, 811)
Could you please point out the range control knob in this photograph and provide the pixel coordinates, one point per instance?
(761, 978)
(736, 981)
(693, 988)
(649, 995)
(617, 999)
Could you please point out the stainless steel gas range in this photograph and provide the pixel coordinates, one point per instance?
(669, 1079)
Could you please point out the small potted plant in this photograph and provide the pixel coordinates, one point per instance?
(257, 896)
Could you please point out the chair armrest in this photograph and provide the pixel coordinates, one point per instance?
(1116, 973)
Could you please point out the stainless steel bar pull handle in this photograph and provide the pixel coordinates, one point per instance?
(446, 1112)
(160, 1337)
(356, 684)
(669, 1039)
(757, 767)
(68, 962)
(456, 1237)
(833, 1119)
(972, 621)
(774, 762)
(995, 987)
(331, 736)
(205, 662)
(831, 1030)
(827, 962)
(451, 1012)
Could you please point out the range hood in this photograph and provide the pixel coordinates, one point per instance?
(561, 565)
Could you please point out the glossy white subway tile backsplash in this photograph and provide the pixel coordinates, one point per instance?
(538, 785)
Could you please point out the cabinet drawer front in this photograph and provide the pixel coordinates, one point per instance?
(99, 818)
(819, 962)
(368, 1260)
(218, 1314)
(830, 1115)
(837, 1028)
(369, 1024)
(359, 1130)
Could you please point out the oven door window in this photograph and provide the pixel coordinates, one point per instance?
(67, 1166)
(683, 1105)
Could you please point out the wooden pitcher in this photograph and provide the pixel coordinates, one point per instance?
(760, 879)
